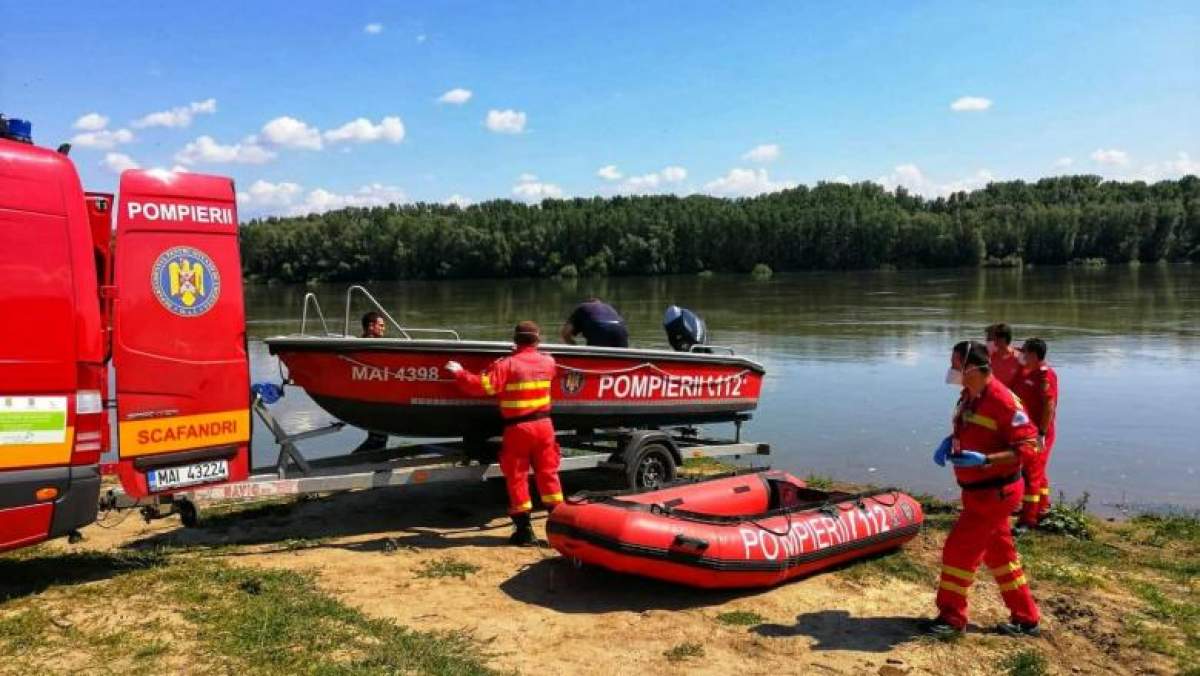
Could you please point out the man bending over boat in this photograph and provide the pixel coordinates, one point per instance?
(599, 323)
(521, 382)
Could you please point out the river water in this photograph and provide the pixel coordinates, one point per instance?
(855, 361)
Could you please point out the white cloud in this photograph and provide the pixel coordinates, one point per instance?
(373, 28)
(609, 173)
(745, 183)
(645, 183)
(673, 174)
(505, 121)
(390, 129)
(531, 190)
(372, 195)
(767, 152)
(421, 38)
(118, 162)
(1063, 162)
(456, 96)
(266, 194)
(841, 178)
(1110, 156)
(180, 116)
(206, 150)
(968, 104)
(1182, 165)
(288, 132)
(458, 200)
(915, 181)
(103, 139)
(91, 122)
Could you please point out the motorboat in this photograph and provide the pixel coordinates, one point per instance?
(399, 385)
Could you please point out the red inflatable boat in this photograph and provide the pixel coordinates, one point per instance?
(751, 530)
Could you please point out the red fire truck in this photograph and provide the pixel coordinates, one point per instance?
(147, 284)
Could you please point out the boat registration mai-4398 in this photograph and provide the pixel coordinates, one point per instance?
(187, 475)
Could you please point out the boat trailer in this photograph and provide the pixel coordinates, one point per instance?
(647, 458)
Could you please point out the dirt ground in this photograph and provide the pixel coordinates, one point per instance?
(537, 614)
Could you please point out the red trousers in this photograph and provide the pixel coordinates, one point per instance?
(530, 443)
(982, 535)
(1036, 501)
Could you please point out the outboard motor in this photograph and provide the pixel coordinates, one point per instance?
(684, 329)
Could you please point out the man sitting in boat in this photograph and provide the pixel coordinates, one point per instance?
(521, 382)
(600, 324)
(373, 326)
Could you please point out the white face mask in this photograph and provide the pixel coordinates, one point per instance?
(991, 347)
(1022, 360)
(953, 376)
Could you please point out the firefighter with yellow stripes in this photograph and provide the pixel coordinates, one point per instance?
(521, 382)
(993, 436)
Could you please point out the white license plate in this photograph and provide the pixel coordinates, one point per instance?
(187, 475)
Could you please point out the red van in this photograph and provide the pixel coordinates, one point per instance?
(163, 298)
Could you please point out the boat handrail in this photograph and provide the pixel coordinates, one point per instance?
(312, 297)
(403, 331)
(709, 348)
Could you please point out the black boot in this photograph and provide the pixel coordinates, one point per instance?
(522, 531)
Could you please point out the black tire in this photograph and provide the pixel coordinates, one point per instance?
(188, 514)
(652, 467)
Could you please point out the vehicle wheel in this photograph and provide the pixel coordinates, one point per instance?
(653, 466)
(187, 513)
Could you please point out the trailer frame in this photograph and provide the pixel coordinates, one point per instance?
(647, 457)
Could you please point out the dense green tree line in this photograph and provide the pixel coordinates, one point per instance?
(831, 226)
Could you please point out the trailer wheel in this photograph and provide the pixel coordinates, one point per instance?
(652, 467)
(188, 514)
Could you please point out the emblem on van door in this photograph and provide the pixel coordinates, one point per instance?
(185, 281)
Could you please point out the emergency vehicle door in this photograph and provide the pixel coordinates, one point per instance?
(179, 341)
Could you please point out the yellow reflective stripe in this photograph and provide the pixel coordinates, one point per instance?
(527, 385)
(552, 498)
(1017, 582)
(523, 507)
(950, 586)
(981, 420)
(959, 573)
(486, 381)
(1045, 491)
(1010, 567)
(1031, 498)
(526, 403)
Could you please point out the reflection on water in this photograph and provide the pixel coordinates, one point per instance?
(855, 359)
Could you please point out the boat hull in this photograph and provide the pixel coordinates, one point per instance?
(401, 386)
(732, 532)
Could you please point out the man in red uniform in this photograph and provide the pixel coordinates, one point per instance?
(1038, 390)
(521, 382)
(1005, 362)
(992, 437)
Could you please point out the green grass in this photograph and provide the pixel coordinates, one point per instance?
(684, 651)
(706, 465)
(447, 567)
(1162, 530)
(820, 482)
(23, 631)
(740, 618)
(1028, 662)
(29, 571)
(893, 565)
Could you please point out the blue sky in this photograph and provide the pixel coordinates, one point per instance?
(311, 106)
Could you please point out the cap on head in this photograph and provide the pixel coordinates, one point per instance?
(527, 333)
(973, 353)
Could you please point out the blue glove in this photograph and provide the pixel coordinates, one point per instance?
(943, 450)
(270, 392)
(969, 459)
